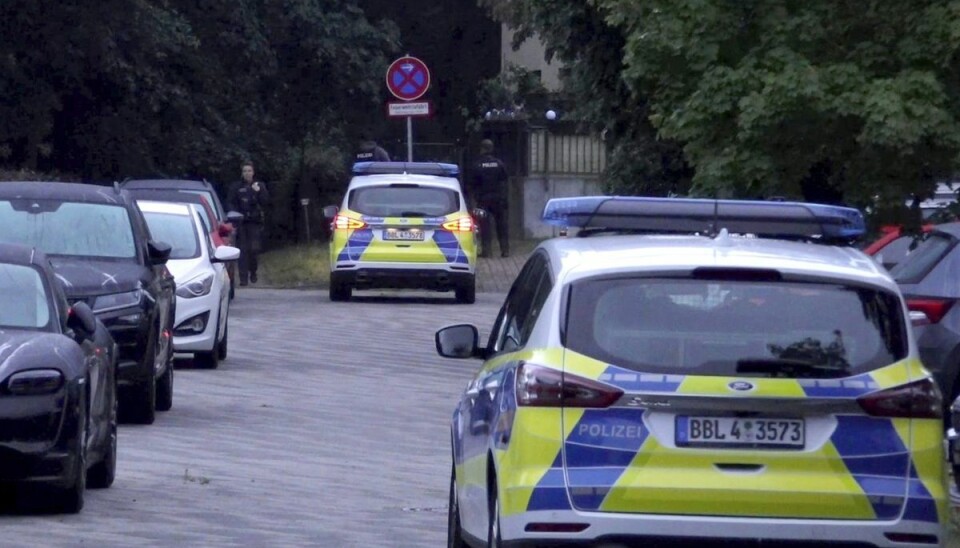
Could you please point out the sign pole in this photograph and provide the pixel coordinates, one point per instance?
(409, 138)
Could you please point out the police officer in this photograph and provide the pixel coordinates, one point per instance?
(370, 151)
(250, 198)
(490, 190)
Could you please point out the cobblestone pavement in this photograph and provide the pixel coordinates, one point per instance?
(326, 426)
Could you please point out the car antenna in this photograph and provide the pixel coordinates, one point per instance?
(116, 187)
(716, 218)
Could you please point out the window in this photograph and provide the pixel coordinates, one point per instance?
(519, 313)
(69, 228)
(25, 303)
(731, 327)
(915, 266)
(177, 230)
(404, 201)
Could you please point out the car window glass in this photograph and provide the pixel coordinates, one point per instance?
(25, 302)
(69, 228)
(895, 251)
(704, 327)
(510, 331)
(177, 230)
(921, 260)
(543, 287)
(404, 201)
(211, 199)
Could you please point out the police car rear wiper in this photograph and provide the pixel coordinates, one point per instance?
(781, 367)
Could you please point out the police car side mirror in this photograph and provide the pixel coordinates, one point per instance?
(330, 211)
(458, 342)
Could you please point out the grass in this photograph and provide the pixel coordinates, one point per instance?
(296, 266)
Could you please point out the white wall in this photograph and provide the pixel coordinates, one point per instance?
(539, 188)
(531, 57)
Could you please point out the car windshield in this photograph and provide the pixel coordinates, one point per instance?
(404, 201)
(25, 302)
(729, 328)
(209, 197)
(177, 230)
(66, 228)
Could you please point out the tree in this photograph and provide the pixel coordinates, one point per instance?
(577, 34)
(853, 102)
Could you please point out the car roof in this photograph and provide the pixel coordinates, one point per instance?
(360, 181)
(20, 254)
(575, 258)
(70, 192)
(169, 208)
(952, 229)
(173, 184)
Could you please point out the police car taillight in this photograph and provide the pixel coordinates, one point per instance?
(463, 224)
(342, 222)
(916, 400)
(539, 386)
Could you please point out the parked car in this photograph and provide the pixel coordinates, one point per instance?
(198, 267)
(721, 383)
(405, 226)
(227, 220)
(102, 251)
(58, 400)
(928, 279)
(893, 244)
(953, 441)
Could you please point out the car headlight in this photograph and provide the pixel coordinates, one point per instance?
(34, 382)
(197, 287)
(116, 301)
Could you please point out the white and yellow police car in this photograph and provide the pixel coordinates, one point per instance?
(403, 225)
(726, 371)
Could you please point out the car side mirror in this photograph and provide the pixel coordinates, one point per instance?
(330, 212)
(225, 230)
(82, 320)
(458, 341)
(225, 253)
(158, 252)
(234, 217)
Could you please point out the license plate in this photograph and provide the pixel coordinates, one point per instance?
(740, 432)
(403, 235)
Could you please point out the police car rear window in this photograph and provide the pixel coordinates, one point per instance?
(729, 327)
(404, 201)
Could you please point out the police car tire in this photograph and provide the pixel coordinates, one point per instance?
(493, 530)
(454, 529)
(467, 292)
(340, 291)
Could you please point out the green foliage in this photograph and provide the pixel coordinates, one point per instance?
(854, 100)
(111, 89)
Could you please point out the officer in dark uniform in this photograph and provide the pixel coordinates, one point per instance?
(250, 198)
(490, 191)
(370, 151)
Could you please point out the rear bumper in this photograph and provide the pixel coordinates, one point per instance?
(439, 277)
(646, 530)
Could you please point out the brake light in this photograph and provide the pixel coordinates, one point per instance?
(342, 222)
(928, 311)
(916, 400)
(463, 224)
(539, 386)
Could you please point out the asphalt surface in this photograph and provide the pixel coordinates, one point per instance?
(326, 426)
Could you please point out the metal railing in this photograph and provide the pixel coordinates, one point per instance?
(565, 154)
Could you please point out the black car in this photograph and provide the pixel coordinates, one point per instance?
(100, 247)
(58, 398)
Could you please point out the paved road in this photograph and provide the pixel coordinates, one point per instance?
(326, 426)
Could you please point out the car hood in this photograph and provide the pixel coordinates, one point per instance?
(31, 349)
(88, 277)
(184, 270)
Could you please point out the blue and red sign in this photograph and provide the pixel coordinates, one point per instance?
(408, 78)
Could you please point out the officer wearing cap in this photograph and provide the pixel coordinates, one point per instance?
(370, 151)
(490, 190)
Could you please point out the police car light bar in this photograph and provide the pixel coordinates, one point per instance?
(788, 220)
(417, 168)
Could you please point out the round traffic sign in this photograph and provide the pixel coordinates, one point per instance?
(408, 78)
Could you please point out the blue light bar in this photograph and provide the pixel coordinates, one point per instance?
(789, 220)
(417, 168)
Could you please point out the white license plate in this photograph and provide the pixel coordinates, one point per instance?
(740, 432)
(403, 235)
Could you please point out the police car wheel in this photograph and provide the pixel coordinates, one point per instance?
(340, 291)
(454, 530)
(467, 292)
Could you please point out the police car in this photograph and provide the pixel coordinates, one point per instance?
(720, 370)
(406, 226)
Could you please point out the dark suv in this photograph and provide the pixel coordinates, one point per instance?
(101, 250)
